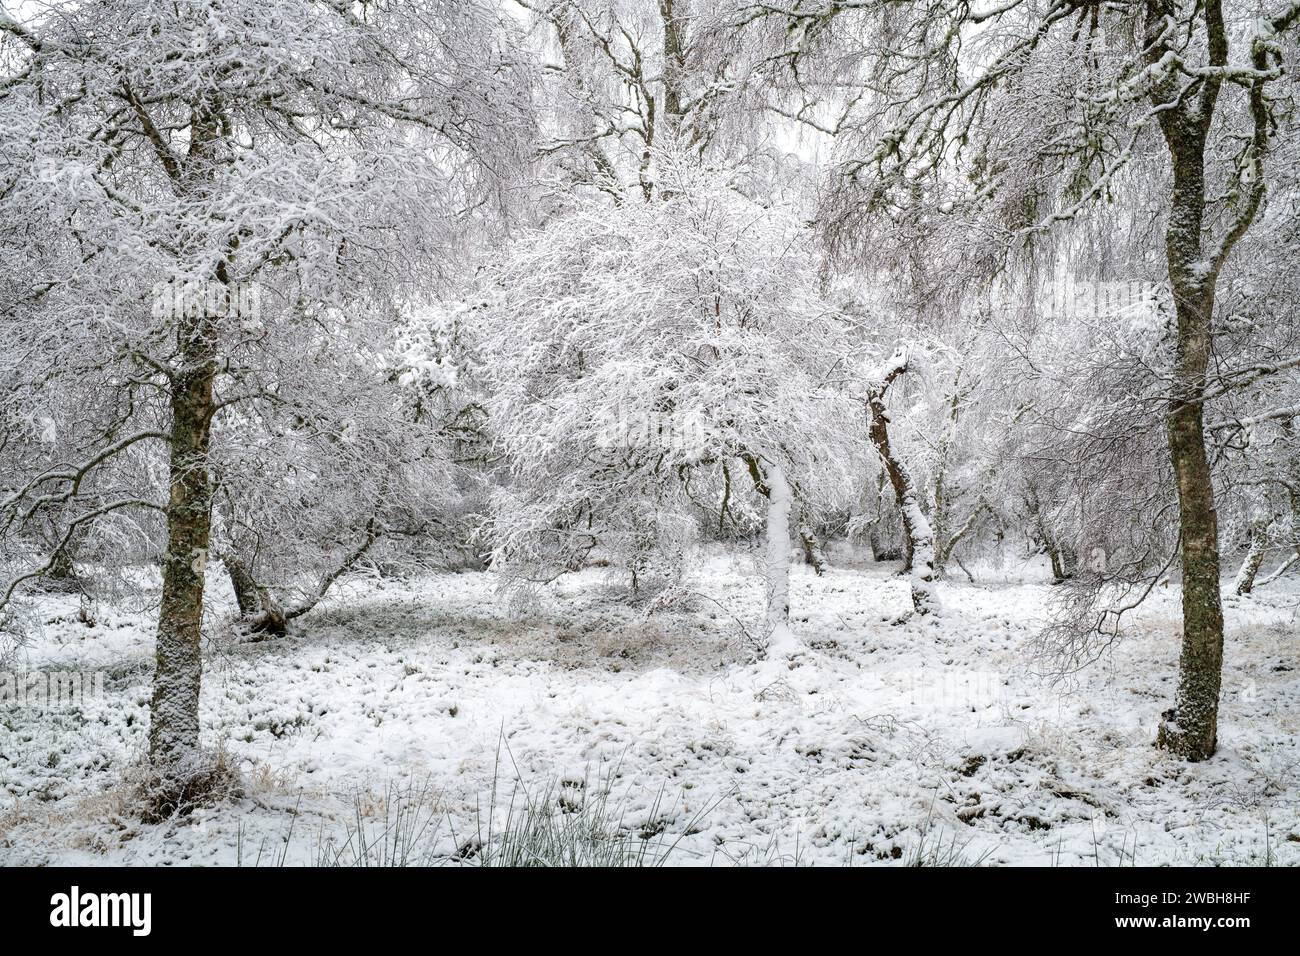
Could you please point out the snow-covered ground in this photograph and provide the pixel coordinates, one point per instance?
(886, 742)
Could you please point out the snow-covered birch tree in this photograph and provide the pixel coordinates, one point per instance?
(233, 181)
(638, 351)
(1000, 126)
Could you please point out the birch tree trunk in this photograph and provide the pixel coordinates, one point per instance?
(1191, 728)
(776, 548)
(174, 709)
(178, 663)
(1186, 115)
(1244, 583)
(813, 554)
(918, 535)
(62, 575)
(260, 614)
(771, 482)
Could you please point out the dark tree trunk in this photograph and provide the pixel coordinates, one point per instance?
(178, 668)
(917, 536)
(1062, 562)
(174, 710)
(1063, 558)
(1191, 728)
(62, 572)
(896, 471)
(260, 614)
(812, 549)
(241, 581)
(62, 575)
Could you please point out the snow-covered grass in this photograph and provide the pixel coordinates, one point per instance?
(410, 719)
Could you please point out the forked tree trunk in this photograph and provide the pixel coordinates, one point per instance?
(1186, 116)
(260, 614)
(946, 544)
(263, 617)
(946, 537)
(1063, 561)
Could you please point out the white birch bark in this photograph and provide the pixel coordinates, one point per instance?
(776, 563)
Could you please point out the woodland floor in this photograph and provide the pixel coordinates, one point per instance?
(888, 744)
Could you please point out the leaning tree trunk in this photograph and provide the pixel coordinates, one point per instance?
(260, 614)
(918, 536)
(1244, 582)
(1063, 558)
(812, 548)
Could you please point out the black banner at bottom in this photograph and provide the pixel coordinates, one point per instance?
(200, 905)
